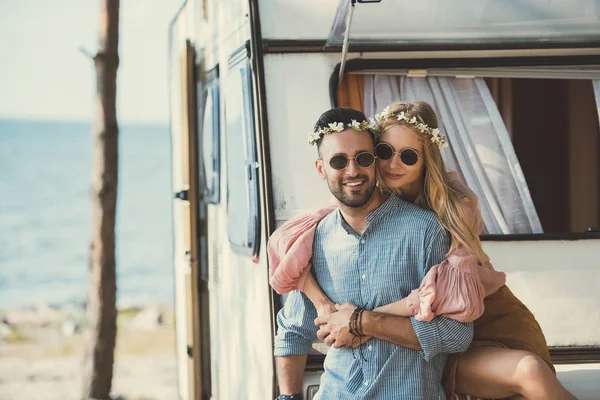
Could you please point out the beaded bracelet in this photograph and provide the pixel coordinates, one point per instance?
(355, 322)
(355, 328)
(359, 326)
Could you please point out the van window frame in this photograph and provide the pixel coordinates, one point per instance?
(363, 64)
(239, 67)
(211, 191)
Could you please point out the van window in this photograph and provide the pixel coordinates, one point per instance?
(527, 146)
(209, 140)
(553, 126)
(242, 166)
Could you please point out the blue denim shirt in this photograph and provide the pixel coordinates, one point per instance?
(381, 266)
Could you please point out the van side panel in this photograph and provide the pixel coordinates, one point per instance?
(295, 102)
(559, 282)
(240, 330)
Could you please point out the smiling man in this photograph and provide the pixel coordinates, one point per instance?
(371, 251)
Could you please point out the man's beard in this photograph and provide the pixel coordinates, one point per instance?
(355, 200)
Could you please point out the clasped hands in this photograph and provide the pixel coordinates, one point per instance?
(334, 330)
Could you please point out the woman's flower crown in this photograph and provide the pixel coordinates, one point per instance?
(314, 137)
(429, 133)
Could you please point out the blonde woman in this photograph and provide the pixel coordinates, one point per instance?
(508, 356)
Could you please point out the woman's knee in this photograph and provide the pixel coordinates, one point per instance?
(532, 373)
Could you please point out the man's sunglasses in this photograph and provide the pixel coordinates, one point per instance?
(363, 160)
(408, 156)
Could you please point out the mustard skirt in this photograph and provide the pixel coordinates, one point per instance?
(506, 322)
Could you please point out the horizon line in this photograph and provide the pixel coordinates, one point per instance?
(78, 121)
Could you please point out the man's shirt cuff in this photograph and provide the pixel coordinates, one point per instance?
(292, 347)
(429, 338)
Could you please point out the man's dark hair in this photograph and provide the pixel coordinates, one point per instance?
(343, 115)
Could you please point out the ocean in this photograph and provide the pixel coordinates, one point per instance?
(45, 214)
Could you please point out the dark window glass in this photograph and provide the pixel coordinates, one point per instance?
(209, 140)
(242, 166)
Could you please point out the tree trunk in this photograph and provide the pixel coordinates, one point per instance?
(101, 307)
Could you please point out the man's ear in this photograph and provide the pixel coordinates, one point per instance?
(320, 169)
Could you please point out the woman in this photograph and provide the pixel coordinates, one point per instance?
(508, 356)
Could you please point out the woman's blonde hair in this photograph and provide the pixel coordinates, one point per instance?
(437, 192)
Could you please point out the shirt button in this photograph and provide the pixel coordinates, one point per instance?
(370, 347)
(364, 276)
(362, 241)
(366, 383)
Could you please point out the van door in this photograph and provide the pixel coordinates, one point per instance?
(185, 219)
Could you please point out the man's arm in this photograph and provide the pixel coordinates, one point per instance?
(295, 334)
(391, 328)
(334, 328)
(440, 335)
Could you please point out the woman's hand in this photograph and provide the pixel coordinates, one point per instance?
(334, 330)
(325, 308)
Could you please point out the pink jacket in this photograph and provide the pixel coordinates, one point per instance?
(455, 288)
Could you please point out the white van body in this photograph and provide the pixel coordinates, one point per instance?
(248, 79)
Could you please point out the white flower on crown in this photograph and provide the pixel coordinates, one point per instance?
(380, 117)
(336, 126)
(386, 112)
(354, 125)
(313, 137)
(373, 124)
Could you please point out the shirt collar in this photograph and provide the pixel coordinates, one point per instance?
(390, 204)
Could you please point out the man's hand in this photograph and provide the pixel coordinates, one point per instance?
(334, 329)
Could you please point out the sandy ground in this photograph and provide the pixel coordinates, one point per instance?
(40, 362)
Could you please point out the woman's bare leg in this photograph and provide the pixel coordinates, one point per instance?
(492, 372)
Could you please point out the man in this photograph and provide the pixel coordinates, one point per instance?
(372, 251)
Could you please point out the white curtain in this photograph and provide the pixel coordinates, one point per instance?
(480, 147)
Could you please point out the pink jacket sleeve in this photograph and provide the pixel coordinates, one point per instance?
(457, 287)
(290, 249)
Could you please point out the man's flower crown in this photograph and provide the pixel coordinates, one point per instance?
(314, 137)
(429, 133)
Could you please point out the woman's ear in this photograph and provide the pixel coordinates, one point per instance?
(320, 168)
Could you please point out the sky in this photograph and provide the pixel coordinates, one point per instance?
(43, 75)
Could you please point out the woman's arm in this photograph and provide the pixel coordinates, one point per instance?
(313, 291)
(290, 249)
(399, 308)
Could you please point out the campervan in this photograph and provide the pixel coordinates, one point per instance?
(516, 85)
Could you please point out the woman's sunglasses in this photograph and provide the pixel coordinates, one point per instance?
(363, 160)
(384, 151)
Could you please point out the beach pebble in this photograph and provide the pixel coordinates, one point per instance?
(5, 330)
(149, 319)
(69, 328)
